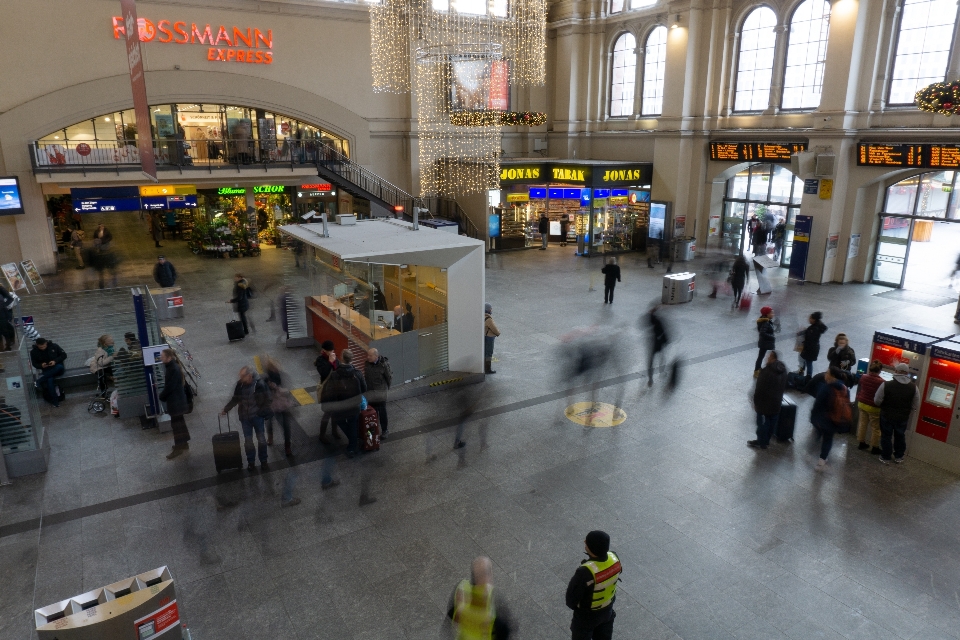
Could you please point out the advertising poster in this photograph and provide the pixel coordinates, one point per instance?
(679, 226)
(833, 240)
(826, 189)
(33, 275)
(478, 85)
(10, 201)
(658, 214)
(714, 226)
(499, 99)
(493, 225)
(854, 249)
(14, 279)
(801, 247)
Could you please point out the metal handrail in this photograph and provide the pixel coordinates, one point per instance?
(341, 165)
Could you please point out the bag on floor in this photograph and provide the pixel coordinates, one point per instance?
(115, 402)
(369, 430)
(787, 420)
(798, 381)
(235, 330)
(226, 448)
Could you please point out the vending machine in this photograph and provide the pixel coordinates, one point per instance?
(936, 438)
(893, 346)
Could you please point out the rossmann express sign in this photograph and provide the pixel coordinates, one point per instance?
(248, 45)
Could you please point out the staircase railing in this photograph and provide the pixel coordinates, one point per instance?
(451, 210)
(337, 163)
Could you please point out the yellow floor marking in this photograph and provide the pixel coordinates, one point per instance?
(303, 396)
(595, 414)
(256, 363)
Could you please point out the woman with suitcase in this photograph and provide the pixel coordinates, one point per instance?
(174, 394)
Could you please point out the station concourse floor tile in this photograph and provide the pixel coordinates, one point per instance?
(717, 540)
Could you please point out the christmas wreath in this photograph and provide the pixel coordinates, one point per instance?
(940, 97)
(492, 118)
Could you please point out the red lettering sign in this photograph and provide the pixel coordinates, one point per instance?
(226, 44)
(83, 149)
(322, 186)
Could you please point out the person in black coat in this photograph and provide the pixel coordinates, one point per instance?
(659, 340)
(543, 226)
(241, 300)
(174, 395)
(325, 363)
(759, 240)
(738, 278)
(611, 276)
(564, 229)
(164, 273)
(842, 356)
(340, 398)
(767, 399)
(767, 327)
(811, 342)
(48, 358)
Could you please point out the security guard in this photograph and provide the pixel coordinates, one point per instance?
(473, 608)
(593, 589)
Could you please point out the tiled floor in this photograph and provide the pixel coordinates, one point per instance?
(717, 540)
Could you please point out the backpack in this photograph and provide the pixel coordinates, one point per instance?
(840, 414)
(341, 385)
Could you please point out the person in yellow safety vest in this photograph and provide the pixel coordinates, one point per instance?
(475, 610)
(593, 590)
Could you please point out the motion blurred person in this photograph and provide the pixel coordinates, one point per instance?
(325, 363)
(474, 607)
(658, 340)
(767, 341)
(174, 395)
(157, 224)
(378, 376)
(340, 397)
(279, 404)
(810, 342)
(490, 334)
(831, 412)
(102, 238)
(767, 399)
(611, 276)
(739, 275)
(252, 399)
(868, 424)
(897, 399)
(76, 241)
(593, 590)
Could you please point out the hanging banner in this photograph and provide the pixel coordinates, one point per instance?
(801, 247)
(139, 87)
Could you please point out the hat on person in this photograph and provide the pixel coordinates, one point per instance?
(764, 311)
(327, 345)
(487, 308)
(902, 367)
(598, 542)
(161, 258)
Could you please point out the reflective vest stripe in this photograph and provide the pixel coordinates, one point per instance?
(606, 574)
(474, 612)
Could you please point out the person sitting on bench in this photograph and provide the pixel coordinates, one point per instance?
(48, 358)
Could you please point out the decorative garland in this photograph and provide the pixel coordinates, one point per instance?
(493, 118)
(940, 97)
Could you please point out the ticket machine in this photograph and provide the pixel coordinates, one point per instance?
(893, 346)
(936, 438)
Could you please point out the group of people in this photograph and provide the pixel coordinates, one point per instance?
(763, 232)
(884, 407)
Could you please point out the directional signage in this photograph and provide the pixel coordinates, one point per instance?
(933, 156)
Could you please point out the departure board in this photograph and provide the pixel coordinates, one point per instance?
(932, 156)
(779, 152)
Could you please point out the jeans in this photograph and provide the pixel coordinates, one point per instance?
(544, 237)
(759, 363)
(808, 364)
(47, 380)
(488, 346)
(766, 427)
(895, 430)
(608, 292)
(283, 420)
(826, 431)
(592, 629)
(868, 428)
(737, 292)
(349, 424)
(250, 426)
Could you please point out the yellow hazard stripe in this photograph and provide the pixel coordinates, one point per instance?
(437, 384)
(258, 365)
(303, 396)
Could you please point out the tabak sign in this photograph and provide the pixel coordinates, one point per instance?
(224, 44)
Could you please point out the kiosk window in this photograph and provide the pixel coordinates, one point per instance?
(941, 393)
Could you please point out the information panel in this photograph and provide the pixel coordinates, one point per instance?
(779, 152)
(933, 156)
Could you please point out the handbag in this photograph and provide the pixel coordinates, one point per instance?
(189, 392)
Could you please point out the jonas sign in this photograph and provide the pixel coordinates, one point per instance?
(224, 44)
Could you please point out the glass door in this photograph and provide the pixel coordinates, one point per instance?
(893, 246)
(733, 219)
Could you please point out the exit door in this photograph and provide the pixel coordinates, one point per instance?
(893, 248)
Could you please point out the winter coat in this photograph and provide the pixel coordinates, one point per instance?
(811, 340)
(759, 235)
(100, 360)
(378, 377)
(867, 389)
(768, 394)
(174, 394)
(544, 225)
(324, 366)
(52, 352)
(823, 405)
(660, 338)
(767, 330)
(611, 274)
(105, 237)
(252, 400)
(157, 225)
(739, 273)
(843, 358)
(340, 394)
(241, 295)
(489, 326)
(165, 274)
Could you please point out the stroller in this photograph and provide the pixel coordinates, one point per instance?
(100, 402)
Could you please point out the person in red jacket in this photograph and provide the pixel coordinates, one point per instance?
(869, 422)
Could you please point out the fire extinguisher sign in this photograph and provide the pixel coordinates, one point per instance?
(154, 624)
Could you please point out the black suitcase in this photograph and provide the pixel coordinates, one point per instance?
(235, 330)
(226, 448)
(787, 420)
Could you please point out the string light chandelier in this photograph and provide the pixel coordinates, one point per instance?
(456, 59)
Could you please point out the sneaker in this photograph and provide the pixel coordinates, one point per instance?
(898, 460)
(821, 465)
(291, 502)
(756, 444)
(330, 485)
(384, 434)
(862, 446)
(883, 460)
(875, 451)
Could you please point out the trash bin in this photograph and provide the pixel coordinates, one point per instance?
(678, 287)
(684, 249)
(168, 301)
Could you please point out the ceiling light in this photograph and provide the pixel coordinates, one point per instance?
(106, 119)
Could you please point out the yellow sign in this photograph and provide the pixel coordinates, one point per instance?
(569, 175)
(826, 189)
(168, 190)
(595, 414)
(621, 175)
(519, 173)
(618, 199)
(518, 197)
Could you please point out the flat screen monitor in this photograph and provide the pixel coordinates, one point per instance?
(941, 393)
(658, 216)
(11, 202)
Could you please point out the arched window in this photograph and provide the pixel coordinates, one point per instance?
(755, 61)
(927, 29)
(806, 53)
(654, 66)
(624, 76)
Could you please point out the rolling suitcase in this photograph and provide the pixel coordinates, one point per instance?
(746, 299)
(369, 430)
(235, 330)
(787, 420)
(226, 448)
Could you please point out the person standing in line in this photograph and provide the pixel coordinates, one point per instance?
(174, 395)
(252, 400)
(164, 273)
(379, 377)
(340, 397)
(241, 300)
(739, 274)
(767, 399)
(593, 590)
(842, 356)
(76, 241)
(48, 357)
(325, 363)
(810, 338)
(868, 424)
(490, 334)
(897, 399)
(102, 238)
(611, 276)
(157, 224)
(659, 340)
(477, 611)
(564, 229)
(831, 411)
(767, 327)
(279, 404)
(543, 226)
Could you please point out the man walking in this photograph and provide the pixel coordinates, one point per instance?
(174, 394)
(659, 340)
(767, 398)
(593, 590)
(340, 398)
(164, 272)
(897, 399)
(611, 276)
(478, 613)
(379, 377)
(543, 226)
(252, 400)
